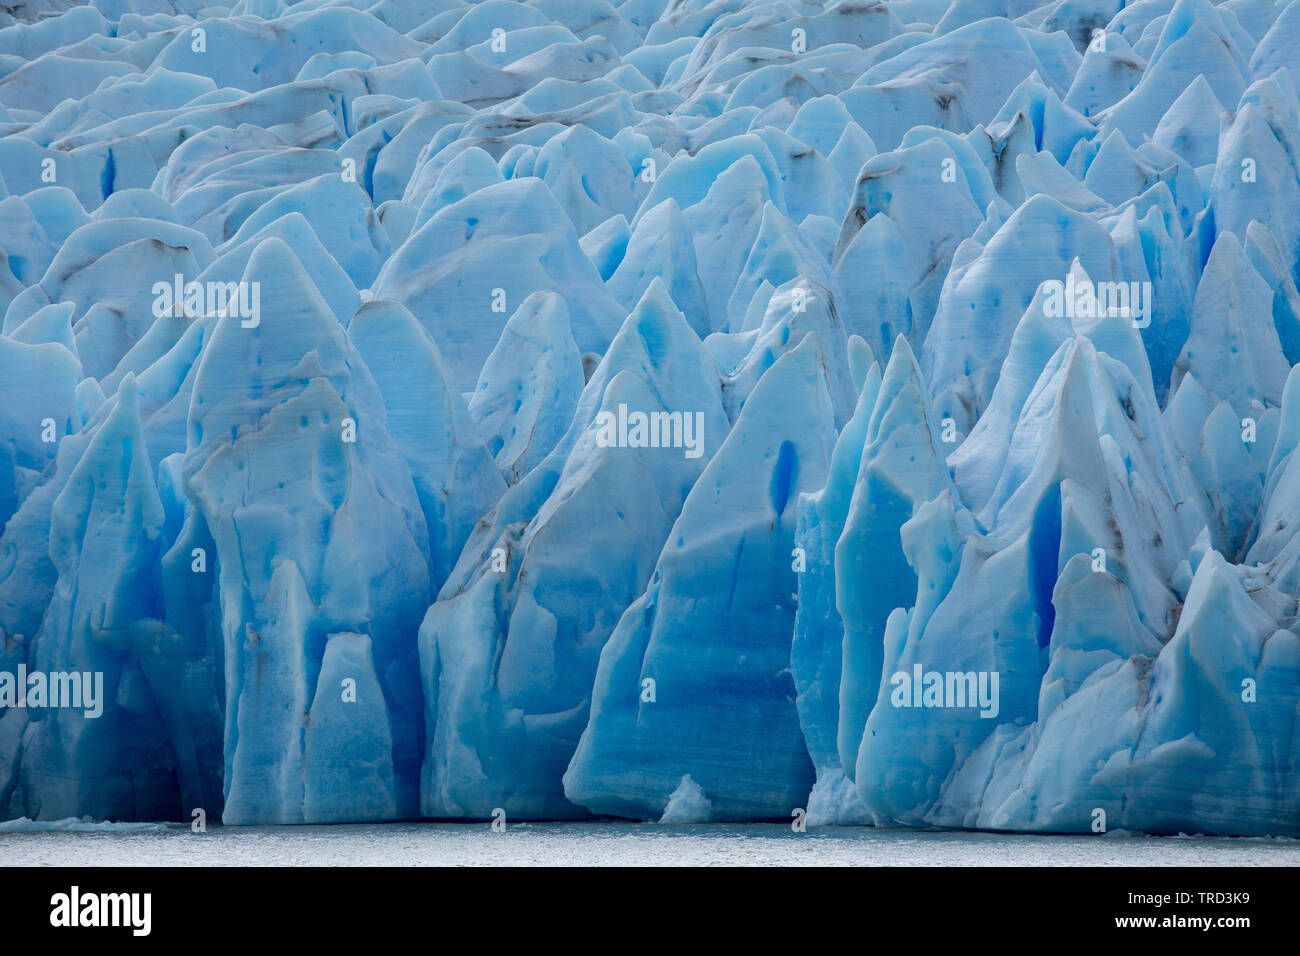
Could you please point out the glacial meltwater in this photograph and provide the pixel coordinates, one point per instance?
(608, 844)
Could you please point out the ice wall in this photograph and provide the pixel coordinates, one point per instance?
(699, 411)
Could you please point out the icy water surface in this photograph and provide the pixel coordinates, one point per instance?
(618, 844)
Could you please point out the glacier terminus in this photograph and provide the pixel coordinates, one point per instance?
(866, 412)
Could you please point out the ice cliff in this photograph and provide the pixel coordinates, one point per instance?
(875, 410)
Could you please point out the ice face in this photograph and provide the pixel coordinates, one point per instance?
(883, 411)
(715, 682)
(543, 580)
(448, 273)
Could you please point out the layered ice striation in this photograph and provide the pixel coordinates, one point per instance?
(862, 412)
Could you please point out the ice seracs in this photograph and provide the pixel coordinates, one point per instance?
(850, 413)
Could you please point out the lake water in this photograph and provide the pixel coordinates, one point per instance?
(620, 844)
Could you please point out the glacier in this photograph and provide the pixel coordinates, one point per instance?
(878, 412)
